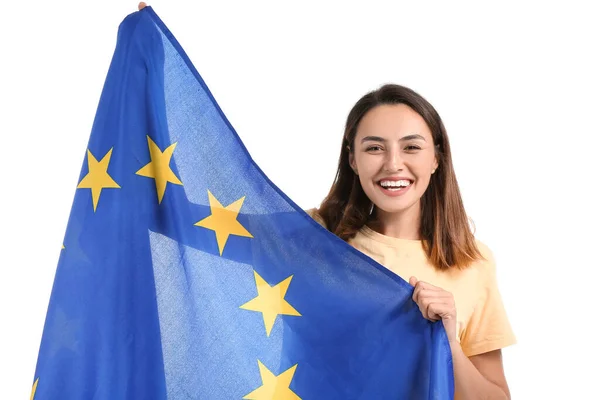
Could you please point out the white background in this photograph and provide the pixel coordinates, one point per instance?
(516, 85)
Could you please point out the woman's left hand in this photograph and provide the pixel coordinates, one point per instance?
(435, 303)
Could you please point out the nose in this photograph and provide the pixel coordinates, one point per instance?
(393, 161)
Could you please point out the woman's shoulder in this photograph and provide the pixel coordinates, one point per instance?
(487, 263)
(484, 249)
(486, 323)
(477, 273)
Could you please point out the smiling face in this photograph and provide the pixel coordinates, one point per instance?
(394, 157)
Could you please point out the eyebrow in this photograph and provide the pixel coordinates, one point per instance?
(380, 139)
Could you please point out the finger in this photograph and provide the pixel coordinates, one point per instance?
(421, 295)
(141, 5)
(413, 281)
(432, 294)
(436, 311)
(417, 293)
(427, 317)
(427, 285)
(423, 310)
(423, 305)
(419, 285)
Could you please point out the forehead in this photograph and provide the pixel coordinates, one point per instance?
(392, 122)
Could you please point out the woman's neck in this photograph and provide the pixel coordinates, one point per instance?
(401, 225)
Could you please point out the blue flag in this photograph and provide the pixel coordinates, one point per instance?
(187, 274)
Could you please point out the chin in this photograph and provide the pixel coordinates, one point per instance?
(396, 206)
(393, 210)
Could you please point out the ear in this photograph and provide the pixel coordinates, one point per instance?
(352, 161)
(435, 163)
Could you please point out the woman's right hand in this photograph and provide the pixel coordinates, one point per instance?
(141, 5)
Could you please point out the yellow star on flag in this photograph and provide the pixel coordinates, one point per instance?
(97, 177)
(158, 168)
(270, 301)
(33, 389)
(223, 220)
(274, 387)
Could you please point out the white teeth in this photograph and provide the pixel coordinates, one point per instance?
(400, 183)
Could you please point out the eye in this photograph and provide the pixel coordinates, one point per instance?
(374, 148)
(412, 147)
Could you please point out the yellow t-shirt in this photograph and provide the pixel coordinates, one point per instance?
(482, 322)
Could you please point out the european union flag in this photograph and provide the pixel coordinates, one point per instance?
(187, 274)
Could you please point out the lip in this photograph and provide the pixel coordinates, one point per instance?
(396, 178)
(395, 193)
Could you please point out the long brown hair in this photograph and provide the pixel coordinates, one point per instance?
(445, 231)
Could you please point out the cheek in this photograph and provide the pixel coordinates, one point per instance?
(423, 166)
(367, 172)
(422, 171)
(366, 179)
(423, 182)
(367, 166)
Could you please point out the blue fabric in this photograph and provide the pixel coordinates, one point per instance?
(146, 303)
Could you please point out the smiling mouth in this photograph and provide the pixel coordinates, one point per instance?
(395, 186)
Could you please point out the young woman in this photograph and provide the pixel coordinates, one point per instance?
(396, 198)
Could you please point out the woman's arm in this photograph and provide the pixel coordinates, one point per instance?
(478, 377)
